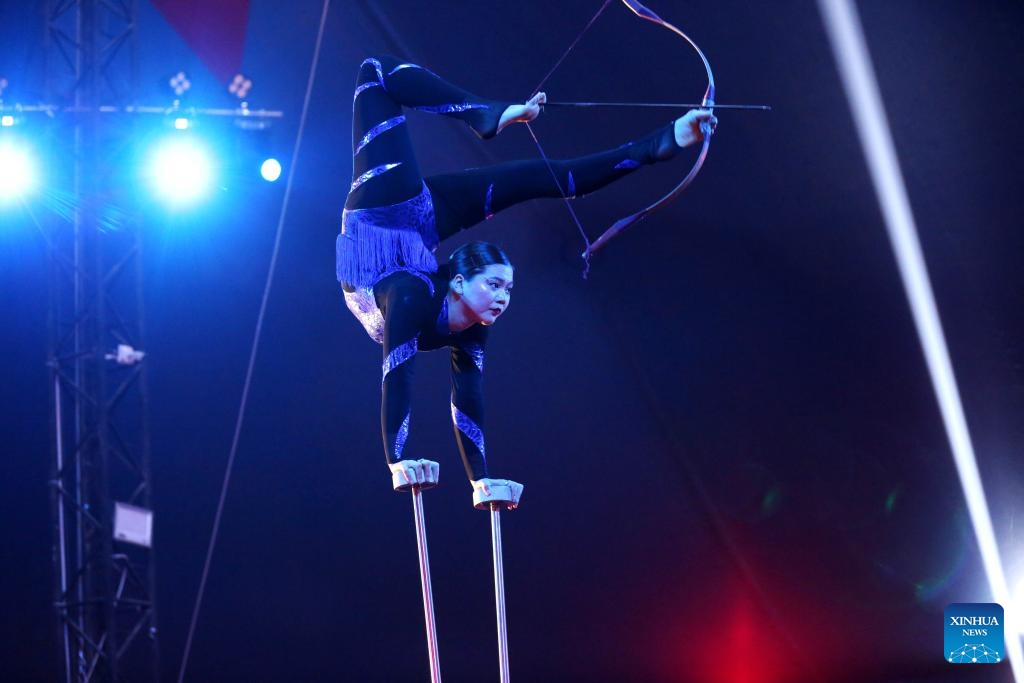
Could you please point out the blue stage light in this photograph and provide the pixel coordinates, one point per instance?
(181, 171)
(17, 171)
(270, 170)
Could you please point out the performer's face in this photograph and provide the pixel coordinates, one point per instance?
(486, 295)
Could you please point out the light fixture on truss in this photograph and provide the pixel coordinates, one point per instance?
(180, 84)
(240, 86)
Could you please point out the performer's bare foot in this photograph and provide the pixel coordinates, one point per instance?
(689, 129)
(522, 113)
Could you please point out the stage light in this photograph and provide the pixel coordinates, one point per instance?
(271, 170)
(179, 83)
(6, 121)
(240, 86)
(181, 123)
(17, 172)
(181, 171)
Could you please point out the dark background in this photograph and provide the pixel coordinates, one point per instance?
(735, 467)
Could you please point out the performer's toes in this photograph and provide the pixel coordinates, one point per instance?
(523, 113)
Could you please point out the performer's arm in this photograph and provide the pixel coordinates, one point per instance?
(467, 402)
(405, 302)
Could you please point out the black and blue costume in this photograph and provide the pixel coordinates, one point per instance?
(394, 220)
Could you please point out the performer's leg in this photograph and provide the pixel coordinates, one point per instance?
(468, 197)
(380, 140)
(384, 167)
(416, 87)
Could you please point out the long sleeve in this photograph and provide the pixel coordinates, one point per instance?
(468, 403)
(396, 396)
(405, 302)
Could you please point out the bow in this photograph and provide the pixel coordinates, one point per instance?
(707, 102)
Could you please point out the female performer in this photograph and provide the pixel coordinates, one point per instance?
(394, 220)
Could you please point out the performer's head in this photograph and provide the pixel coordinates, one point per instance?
(481, 280)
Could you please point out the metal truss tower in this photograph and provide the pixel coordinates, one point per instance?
(102, 551)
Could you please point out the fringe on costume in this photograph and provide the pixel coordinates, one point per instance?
(387, 238)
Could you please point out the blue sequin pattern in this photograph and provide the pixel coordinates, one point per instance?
(365, 86)
(488, 214)
(441, 324)
(416, 214)
(373, 173)
(402, 436)
(399, 355)
(377, 66)
(476, 352)
(363, 306)
(465, 425)
(407, 65)
(450, 108)
(381, 127)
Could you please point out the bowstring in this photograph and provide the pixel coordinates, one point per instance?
(547, 161)
(565, 198)
(572, 45)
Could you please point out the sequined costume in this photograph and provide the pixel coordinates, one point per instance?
(394, 219)
(416, 319)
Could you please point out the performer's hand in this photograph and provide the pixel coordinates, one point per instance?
(515, 488)
(416, 471)
(694, 126)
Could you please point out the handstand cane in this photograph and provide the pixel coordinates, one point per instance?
(499, 497)
(430, 469)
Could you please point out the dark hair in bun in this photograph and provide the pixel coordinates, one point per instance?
(472, 258)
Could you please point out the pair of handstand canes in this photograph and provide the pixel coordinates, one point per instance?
(501, 495)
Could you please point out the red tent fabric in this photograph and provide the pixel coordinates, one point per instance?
(215, 29)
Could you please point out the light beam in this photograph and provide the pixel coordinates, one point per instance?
(847, 38)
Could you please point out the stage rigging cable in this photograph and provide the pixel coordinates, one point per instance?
(255, 342)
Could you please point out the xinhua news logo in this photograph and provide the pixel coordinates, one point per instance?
(974, 633)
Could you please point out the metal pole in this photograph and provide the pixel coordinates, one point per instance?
(57, 483)
(428, 594)
(499, 591)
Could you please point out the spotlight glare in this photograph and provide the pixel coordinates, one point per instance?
(181, 171)
(17, 172)
(181, 123)
(270, 170)
(844, 30)
(6, 120)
